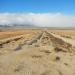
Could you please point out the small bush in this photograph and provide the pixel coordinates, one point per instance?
(57, 58)
(36, 56)
(58, 49)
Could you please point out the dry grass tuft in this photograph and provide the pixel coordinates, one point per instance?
(36, 56)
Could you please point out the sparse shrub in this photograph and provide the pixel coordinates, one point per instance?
(36, 56)
(65, 64)
(57, 58)
(46, 51)
(1, 45)
(8, 41)
(66, 36)
(17, 70)
(57, 49)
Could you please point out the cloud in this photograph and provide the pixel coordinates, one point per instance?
(38, 19)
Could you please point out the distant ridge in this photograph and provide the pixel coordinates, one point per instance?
(17, 26)
(32, 26)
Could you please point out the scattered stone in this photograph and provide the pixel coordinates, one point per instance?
(57, 58)
(65, 64)
(18, 48)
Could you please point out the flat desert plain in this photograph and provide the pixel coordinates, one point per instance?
(37, 52)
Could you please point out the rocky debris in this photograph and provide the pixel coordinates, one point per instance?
(18, 48)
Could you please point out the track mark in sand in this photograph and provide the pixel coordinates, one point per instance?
(35, 39)
(29, 42)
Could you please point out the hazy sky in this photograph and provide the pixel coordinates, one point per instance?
(38, 12)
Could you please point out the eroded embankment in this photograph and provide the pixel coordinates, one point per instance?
(60, 43)
(49, 38)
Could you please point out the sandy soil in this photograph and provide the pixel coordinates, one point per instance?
(37, 52)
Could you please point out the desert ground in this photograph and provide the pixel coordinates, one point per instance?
(37, 52)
